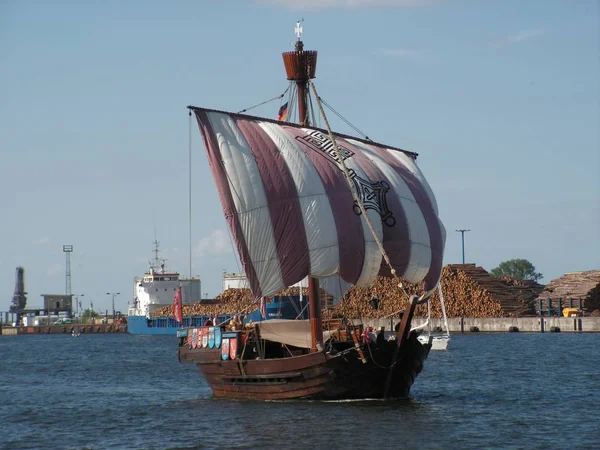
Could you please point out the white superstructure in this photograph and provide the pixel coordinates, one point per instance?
(234, 281)
(157, 287)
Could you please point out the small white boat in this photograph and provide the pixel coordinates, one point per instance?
(439, 339)
(438, 342)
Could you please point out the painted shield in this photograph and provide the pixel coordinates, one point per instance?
(189, 339)
(217, 337)
(194, 337)
(204, 337)
(225, 350)
(211, 337)
(182, 333)
(233, 348)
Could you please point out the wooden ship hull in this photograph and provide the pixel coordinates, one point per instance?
(316, 375)
(239, 364)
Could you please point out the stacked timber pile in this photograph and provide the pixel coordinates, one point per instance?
(230, 301)
(514, 297)
(469, 291)
(575, 285)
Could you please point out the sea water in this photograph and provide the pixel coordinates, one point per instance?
(116, 391)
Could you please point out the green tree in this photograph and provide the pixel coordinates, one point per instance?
(88, 314)
(520, 269)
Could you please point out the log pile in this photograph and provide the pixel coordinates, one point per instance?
(575, 285)
(469, 291)
(230, 301)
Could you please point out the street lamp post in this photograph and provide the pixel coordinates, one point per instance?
(77, 304)
(114, 294)
(462, 232)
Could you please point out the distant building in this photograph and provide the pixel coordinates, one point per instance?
(55, 303)
(235, 281)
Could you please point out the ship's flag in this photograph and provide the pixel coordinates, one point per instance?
(282, 115)
(177, 312)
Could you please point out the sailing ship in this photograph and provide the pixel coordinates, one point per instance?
(302, 201)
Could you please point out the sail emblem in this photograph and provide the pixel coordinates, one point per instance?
(372, 196)
(323, 144)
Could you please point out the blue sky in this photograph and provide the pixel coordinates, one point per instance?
(500, 99)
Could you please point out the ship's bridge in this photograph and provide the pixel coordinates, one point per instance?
(152, 277)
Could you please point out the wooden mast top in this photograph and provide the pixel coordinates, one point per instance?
(300, 66)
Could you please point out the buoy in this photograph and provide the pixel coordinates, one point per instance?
(474, 329)
(513, 329)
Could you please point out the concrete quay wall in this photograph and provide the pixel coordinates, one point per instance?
(500, 325)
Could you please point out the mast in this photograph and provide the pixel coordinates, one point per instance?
(300, 66)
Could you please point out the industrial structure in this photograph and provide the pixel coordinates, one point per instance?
(19, 300)
(68, 249)
(58, 303)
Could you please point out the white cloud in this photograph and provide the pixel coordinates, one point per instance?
(326, 4)
(521, 36)
(216, 243)
(399, 52)
(41, 241)
(54, 270)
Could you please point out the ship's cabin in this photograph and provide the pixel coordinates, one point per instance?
(153, 277)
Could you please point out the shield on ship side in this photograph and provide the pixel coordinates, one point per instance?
(217, 337)
(225, 350)
(233, 348)
(211, 337)
(194, 337)
(205, 337)
(189, 339)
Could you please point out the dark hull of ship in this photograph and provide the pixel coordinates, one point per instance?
(318, 375)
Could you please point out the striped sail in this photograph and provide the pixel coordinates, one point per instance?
(291, 213)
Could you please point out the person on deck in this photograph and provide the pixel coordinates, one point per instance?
(236, 323)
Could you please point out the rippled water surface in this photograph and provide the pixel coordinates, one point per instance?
(516, 391)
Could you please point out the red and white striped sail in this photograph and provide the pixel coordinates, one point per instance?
(291, 212)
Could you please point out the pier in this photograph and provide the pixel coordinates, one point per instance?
(536, 324)
(64, 329)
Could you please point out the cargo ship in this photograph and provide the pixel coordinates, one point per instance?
(155, 290)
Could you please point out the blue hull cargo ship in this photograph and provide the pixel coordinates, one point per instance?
(155, 291)
(281, 307)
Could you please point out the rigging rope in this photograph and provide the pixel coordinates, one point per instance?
(354, 191)
(265, 102)
(343, 118)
